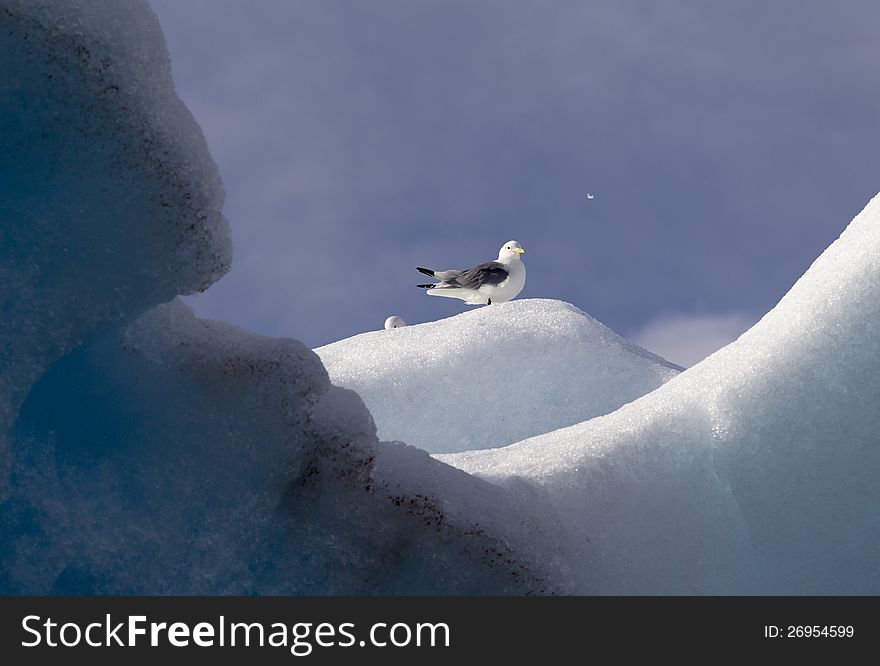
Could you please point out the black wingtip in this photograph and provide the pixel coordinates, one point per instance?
(425, 286)
(426, 271)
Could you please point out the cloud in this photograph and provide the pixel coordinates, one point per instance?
(358, 140)
(688, 339)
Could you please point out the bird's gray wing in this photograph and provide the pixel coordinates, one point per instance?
(490, 273)
(446, 276)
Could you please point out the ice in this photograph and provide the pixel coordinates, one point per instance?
(492, 376)
(180, 456)
(757, 470)
(109, 200)
(146, 451)
(143, 450)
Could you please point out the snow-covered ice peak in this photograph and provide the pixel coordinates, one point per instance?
(756, 470)
(492, 376)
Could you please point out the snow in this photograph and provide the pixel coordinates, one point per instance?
(109, 200)
(492, 376)
(146, 451)
(177, 455)
(757, 470)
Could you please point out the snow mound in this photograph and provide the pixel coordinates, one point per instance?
(492, 376)
(755, 471)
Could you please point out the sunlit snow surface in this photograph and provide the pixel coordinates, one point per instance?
(756, 470)
(143, 450)
(492, 376)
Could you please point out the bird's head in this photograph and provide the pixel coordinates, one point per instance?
(510, 251)
(394, 322)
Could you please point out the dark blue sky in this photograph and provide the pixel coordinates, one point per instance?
(728, 143)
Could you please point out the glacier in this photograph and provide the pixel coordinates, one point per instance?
(146, 451)
(492, 376)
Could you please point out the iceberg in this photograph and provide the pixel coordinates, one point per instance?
(755, 471)
(146, 451)
(176, 455)
(492, 376)
(109, 201)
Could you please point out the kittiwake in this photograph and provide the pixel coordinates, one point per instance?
(493, 282)
(394, 322)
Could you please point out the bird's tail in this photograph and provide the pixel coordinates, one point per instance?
(426, 271)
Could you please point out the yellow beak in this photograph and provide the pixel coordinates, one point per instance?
(519, 250)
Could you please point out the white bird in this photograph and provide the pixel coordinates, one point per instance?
(590, 196)
(492, 282)
(394, 322)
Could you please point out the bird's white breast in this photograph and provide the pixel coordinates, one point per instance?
(510, 288)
